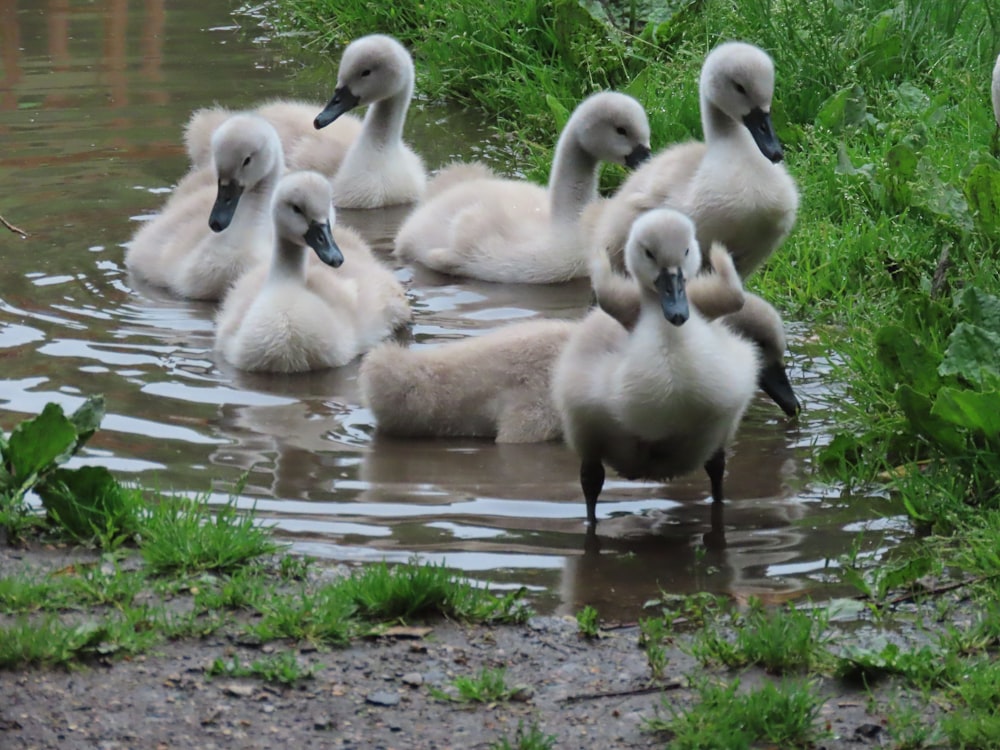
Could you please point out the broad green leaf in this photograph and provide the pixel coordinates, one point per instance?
(906, 360)
(852, 577)
(844, 610)
(918, 410)
(843, 450)
(559, 112)
(982, 191)
(36, 444)
(638, 86)
(981, 309)
(83, 501)
(883, 46)
(87, 418)
(845, 109)
(974, 354)
(902, 161)
(932, 194)
(903, 575)
(970, 409)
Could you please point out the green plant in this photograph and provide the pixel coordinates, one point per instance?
(653, 631)
(283, 668)
(781, 641)
(380, 592)
(780, 715)
(489, 686)
(588, 622)
(184, 534)
(324, 616)
(532, 738)
(86, 503)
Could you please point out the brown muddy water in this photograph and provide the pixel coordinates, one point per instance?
(93, 95)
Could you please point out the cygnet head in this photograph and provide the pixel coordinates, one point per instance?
(759, 322)
(661, 253)
(611, 127)
(738, 79)
(303, 214)
(245, 150)
(373, 67)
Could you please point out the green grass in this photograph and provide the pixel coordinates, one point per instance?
(282, 668)
(530, 738)
(489, 686)
(382, 592)
(188, 535)
(783, 715)
(780, 641)
(588, 622)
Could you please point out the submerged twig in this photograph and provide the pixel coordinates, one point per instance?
(11, 227)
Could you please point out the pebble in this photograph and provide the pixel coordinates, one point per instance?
(382, 698)
(413, 679)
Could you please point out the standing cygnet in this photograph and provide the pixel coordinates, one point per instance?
(293, 316)
(516, 231)
(733, 186)
(715, 294)
(378, 169)
(195, 248)
(668, 396)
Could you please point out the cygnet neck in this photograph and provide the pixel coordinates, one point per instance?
(384, 120)
(573, 181)
(289, 261)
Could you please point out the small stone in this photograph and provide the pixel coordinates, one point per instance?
(413, 679)
(382, 698)
(522, 693)
(324, 723)
(868, 731)
(240, 691)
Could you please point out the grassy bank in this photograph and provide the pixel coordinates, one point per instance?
(138, 574)
(884, 109)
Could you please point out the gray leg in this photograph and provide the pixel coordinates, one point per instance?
(716, 467)
(592, 481)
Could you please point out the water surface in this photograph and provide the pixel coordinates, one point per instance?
(93, 97)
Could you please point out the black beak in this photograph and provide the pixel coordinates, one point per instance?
(673, 298)
(773, 380)
(343, 100)
(637, 156)
(758, 122)
(224, 208)
(320, 239)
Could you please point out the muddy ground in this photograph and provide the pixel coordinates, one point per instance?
(375, 694)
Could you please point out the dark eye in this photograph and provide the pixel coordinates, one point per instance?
(739, 88)
(686, 251)
(649, 254)
(620, 130)
(296, 209)
(365, 73)
(246, 161)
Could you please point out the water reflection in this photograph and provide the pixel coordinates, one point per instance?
(93, 97)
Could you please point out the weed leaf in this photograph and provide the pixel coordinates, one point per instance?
(918, 410)
(39, 443)
(979, 412)
(981, 309)
(974, 354)
(82, 501)
(982, 191)
(87, 419)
